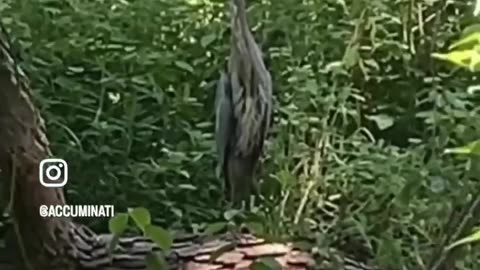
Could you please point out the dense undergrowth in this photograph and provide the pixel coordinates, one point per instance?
(362, 115)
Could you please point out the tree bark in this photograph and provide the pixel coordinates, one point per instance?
(23, 144)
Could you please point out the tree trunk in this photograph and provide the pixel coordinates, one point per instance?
(23, 144)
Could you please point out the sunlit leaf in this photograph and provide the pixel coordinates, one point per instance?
(473, 89)
(230, 214)
(472, 148)
(187, 187)
(460, 58)
(383, 121)
(475, 237)
(334, 66)
(76, 69)
(118, 223)
(476, 11)
(141, 216)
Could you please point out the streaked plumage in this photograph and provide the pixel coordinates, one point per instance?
(243, 109)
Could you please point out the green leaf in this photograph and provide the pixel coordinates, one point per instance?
(187, 187)
(256, 227)
(160, 236)
(230, 214)
(351, 56)
(215, 228)
(460, 58)
(118, 224)
(141, 216)
(475, 237)
(266, 264)
(76, 69)
(155, 261)
(184, 66)
(475, 60)
(472, 148)
(207, 40)
(472, 38)
(471, 29)
(389, 248)
(408, 191)
(383, 121)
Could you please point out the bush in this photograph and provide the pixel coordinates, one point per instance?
(362, 115)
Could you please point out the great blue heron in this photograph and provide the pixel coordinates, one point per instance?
(243, 109)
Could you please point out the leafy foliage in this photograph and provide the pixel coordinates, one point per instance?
(468, 58)
(142, 219)
(266, 264)
(363, 113)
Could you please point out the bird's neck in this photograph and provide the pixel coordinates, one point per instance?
(240, 20)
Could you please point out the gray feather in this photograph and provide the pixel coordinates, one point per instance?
(243, 109)
(240, 178)
(223, 123)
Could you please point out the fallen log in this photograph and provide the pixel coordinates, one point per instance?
(190, 252)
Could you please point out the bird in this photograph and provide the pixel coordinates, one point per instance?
(243, 109)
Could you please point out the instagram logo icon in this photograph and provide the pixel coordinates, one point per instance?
(53, 172)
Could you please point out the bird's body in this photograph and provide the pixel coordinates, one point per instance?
(243, 109)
